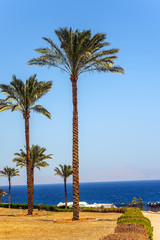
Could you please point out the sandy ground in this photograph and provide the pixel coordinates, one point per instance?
(15, 224)
(155, 220)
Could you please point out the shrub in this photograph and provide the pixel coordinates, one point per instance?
(64, 210)
(137, 202)
(4, 205)
(104, 210)
(36, 206)
(19, 205)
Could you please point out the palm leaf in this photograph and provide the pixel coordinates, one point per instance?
(42, 110)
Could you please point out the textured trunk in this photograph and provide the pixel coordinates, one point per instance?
(32, 174)
(65, 192)
(9, 197)
(29, 176)
(75, 160)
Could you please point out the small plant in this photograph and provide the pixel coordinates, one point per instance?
(47, 217)
(2, 194)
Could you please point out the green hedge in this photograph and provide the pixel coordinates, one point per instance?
(105, 210)
(36, 206)
(135, 216)
(63, 209)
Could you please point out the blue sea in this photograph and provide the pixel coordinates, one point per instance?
(97, 192)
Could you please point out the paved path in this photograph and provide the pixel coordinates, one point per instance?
(155, 220)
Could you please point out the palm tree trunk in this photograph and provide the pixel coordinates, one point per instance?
(65, 192)
(29, 176)
(32, 173)
(9, 197)
(75, 160)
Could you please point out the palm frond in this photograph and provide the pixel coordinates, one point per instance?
(5, 106)
(58, 172)
(42, 110)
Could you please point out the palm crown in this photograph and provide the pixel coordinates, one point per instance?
(64, 172)
(79, 52)
(37, 157)
(22, 96)
(9, 172)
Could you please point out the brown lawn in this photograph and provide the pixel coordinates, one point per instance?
(15, 224)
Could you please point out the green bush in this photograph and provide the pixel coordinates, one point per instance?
(19, 205)
(64, 210)
(104, 210)
(137, 202)
(36, 206)
(4, 205)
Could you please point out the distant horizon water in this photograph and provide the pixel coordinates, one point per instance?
(69, 182)
(115, 192)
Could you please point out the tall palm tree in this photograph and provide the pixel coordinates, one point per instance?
(9, 173)
(78, 53)
(37, 157)
(22, 97)
(64, 172)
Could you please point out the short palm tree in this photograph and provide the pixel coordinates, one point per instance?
(78, 53)
(37, 157)
(22, 97)
(2, 194)
(9, 173)
(65, 171)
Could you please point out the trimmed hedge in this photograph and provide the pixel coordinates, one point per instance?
(36, 206)
(132, 225)
(129, 229)
(135, 216)
(105, 210)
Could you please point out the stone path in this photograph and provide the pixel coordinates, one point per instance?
(155, 220)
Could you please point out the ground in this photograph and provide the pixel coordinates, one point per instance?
(155, 220)
(15, 224)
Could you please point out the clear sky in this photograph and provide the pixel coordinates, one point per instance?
(119, 115)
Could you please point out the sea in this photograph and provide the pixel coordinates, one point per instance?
(96, 192)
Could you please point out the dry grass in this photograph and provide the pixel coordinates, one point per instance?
(15, 224)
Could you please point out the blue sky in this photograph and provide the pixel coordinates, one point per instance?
(119, 115)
